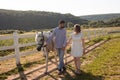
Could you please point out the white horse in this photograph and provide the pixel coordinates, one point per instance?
(40, 39)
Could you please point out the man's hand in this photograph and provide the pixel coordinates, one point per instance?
(45, 44)
(63, 48)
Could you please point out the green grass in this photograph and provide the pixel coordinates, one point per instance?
(105, 60)
(10, 43)
(100, 64)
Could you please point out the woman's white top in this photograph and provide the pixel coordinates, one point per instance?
(76, 46)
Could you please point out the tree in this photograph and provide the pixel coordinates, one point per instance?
(70, 25)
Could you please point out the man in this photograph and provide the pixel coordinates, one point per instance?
(59, 34)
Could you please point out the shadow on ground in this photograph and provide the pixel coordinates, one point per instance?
(68, 76)
(82, 76)
(19, 69)
(21, 72)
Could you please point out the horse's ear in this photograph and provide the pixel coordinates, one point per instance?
(36, 32)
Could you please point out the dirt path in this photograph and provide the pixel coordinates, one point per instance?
(38, 72)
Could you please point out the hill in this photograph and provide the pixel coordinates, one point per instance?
(110, 23)
(31, 20)
(101, 17)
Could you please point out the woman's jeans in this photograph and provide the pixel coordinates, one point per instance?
(60, 52)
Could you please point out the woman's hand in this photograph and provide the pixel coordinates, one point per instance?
(68, 42)
(84, 51)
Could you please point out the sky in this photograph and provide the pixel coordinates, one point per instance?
(75, 7)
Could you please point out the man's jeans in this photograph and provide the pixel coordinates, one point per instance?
(60, 52)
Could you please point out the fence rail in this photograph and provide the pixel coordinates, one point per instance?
(89, 34)
(6, 47)
(5, 37)
(16, 46)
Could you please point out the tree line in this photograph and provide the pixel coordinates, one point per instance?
(110, 23)
(32, 20)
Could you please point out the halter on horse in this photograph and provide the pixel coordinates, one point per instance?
(39, 40)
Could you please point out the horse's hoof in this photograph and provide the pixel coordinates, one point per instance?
(46, 73)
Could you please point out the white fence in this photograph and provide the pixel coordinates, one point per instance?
(16, 46)
(89, 34)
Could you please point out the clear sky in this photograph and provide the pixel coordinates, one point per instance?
(75, 7)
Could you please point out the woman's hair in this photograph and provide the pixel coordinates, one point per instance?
(77, 28)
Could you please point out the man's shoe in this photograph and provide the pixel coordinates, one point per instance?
(60, 73)
(64, 69)
(59, 69)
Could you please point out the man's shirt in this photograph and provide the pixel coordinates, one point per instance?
(60, 37)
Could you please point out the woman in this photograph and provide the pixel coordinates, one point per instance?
(77, 46)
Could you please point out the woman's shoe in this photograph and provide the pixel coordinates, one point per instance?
(78, 72)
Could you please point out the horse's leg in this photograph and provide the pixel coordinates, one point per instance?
(46, 54)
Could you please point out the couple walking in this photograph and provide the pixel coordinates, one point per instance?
(77, 46)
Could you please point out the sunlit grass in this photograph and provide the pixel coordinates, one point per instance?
(100, 64)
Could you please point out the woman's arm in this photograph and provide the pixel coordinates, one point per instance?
(68, 42)
(70, 39)
(83, 44)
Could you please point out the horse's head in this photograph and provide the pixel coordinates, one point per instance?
(40, 40)
(41, 37)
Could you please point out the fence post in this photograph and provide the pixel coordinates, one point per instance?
(88, 35)
(99, 32)
(94, 34)
(16, 45)
(102, 32)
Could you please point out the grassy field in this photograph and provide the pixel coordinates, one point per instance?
(100, 64)
(8, 67)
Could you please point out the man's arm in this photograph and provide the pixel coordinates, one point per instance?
(65, 40)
